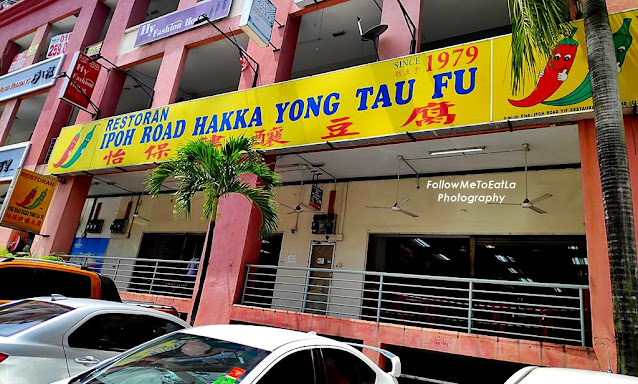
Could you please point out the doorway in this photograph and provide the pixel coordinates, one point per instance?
(318, 282)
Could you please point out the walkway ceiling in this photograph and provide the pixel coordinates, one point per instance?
(550, 147)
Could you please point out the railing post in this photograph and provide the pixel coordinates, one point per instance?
(582, 316)
(150, 287)
(117, 269)
(243, 293)
(469, 308)
(305, 291)
(379, 300)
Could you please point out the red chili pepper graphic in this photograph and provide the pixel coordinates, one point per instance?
(554, 74)
(29, 197)
(68, 149)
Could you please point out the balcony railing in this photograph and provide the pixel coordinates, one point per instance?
(154, 276)
(526, 310)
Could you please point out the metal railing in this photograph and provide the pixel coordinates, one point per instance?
(556, 313)
(154, 276)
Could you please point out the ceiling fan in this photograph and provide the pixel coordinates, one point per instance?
(397, 204)
(527, 203)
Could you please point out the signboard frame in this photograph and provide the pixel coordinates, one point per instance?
(44, 84)
(316, 197)
(69, 82)
(253, 21)
(26, 145)
(10, 192)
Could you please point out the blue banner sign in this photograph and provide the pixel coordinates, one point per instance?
(11, 159)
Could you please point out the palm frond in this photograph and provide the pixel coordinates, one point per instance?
(200, 166)
(537, 26)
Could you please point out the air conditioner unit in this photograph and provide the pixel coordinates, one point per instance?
(304, 3)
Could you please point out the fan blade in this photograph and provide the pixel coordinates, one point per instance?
(402, 201)
(505, 204)
(408, 213)
(291, 212)
(374, 206)
(285, 205)
(541, 198)
(536, 209)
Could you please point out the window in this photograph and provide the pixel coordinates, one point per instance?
(343, 367)
(182, 358)
(17, 283)
(18, 317)
(23, 282)
(119, 332)
(299, 365)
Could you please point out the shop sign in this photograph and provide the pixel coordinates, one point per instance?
(32, 78)
(18, 61)
(461, 87)
(257, 20)
(316, 197)
(94, 50)
(58, 44)
(27, 201)
(80, 81)
(180, 21)
(11, 159)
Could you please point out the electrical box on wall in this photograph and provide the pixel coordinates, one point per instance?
(324, 224)
(118, 226)
(94, 226)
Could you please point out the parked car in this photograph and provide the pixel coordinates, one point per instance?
(538, 375)
(241, 353)
(21, 278)
(50, 338)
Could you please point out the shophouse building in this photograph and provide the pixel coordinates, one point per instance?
(405, 215)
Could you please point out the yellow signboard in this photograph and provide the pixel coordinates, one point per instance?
(27, 201)
(460, 86)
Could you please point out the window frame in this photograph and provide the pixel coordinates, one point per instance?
(89, 317)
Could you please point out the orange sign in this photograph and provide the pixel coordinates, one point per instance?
(27, 201)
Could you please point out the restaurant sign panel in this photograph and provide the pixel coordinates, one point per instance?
(32, 78)
(457, 87)
(11, 159)
(27, 201)
(180, 21)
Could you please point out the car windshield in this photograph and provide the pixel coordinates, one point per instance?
(22, 315)
(180, 358)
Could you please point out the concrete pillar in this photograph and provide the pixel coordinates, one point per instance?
(170, 74)
(395, 42)
(109, 84)
(602, 316)
(55, 113)
(239, 219)
(183, 4)
(60, 226)
(7, 118)
(275, 66)
(7, 51)
(38, 43)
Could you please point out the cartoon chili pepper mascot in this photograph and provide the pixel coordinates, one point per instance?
(37, 201)
(68, 149)
(80, 149)
(554, 74)
(622, 42)
(27, 200)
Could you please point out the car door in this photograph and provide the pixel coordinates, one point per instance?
(343, 367)
(107, 334)
(299, 366)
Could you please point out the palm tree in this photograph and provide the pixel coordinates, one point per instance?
(200, 166)
(537, 25)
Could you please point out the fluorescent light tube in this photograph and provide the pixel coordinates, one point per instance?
(453, 151)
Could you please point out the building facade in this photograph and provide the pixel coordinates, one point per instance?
(401, 224)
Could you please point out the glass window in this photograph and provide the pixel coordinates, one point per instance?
(182, 358)
(49, 281)
(343, 367)
(299, 365)
(110, 332)
(17, 283)
(18, 317)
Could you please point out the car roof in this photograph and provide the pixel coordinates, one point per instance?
(261, 337)
(542, 375)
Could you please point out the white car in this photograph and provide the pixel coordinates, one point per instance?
(50, 338)
(538, 375)
(227, 354)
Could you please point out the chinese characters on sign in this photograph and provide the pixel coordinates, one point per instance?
(80, 81)
(30, 79)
